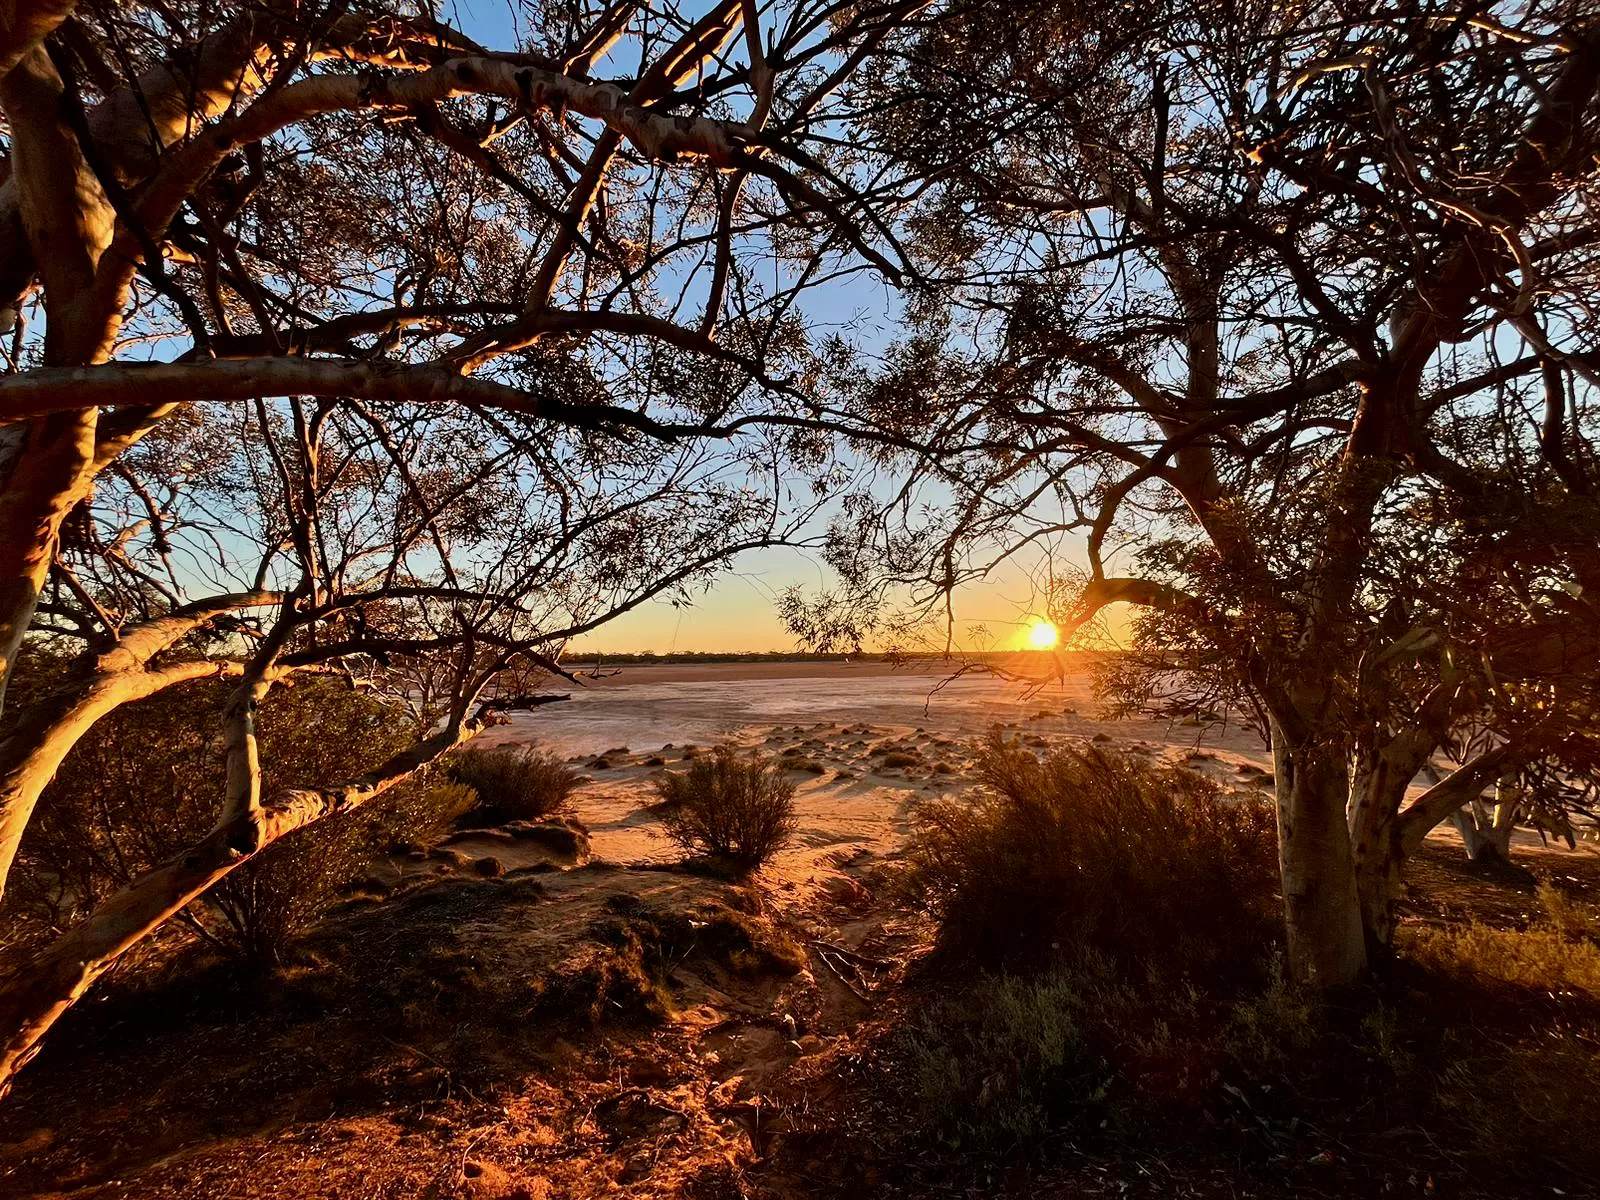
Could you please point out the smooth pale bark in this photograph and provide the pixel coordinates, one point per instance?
(1322, 913)
(1447, 797)
(45, 469)
(131, 126)
(47, 463)
(33, 1000)
(1376, 793)
(33, 750)
(24, 24)
(1384, 770)
(1384, 832)
(1486, 829)
(66, 217)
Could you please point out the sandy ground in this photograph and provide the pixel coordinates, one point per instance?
(839, 725)
(446, 1103)
(836, 722)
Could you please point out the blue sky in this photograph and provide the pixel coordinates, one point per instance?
(738, 612)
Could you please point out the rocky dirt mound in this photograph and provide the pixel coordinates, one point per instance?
(536, 1033)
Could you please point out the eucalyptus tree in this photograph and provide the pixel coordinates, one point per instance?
(336, 340)
(1279, 318)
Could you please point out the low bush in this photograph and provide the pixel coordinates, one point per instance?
(1541, 958)
(1090, 850)
(258, 911)
(1000, 1063)
(147, 781)
(514, 783)
(737, 808)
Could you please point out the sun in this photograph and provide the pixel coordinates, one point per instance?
(1043, 635)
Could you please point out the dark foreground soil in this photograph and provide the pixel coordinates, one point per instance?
(655, 1032)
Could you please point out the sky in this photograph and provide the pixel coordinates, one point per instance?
(738, 613)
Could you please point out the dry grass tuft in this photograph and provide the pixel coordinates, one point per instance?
(1558, 953)
(741, 809)
(514, 783)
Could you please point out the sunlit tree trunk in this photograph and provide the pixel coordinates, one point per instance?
(46, 464)
(1322, 913)
(1486, 829)
(40, 738)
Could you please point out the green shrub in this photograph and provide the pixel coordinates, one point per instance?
(1002, 1062)
(1275, 1026)
(737, 808)
(514, 783)
(1094, 850)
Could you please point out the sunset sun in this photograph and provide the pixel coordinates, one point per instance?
(1042, 635)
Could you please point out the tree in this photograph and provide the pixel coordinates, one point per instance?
(339, 342)
(1286, 312)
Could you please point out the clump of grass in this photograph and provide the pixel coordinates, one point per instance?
(1558, 953)
(1540, 957)
(514, 783)
(1549, 1077)
(1275, 1025)
(1566, 914)
(897, 760)
(1001, 1063)
(741, 809)
(1089, 850)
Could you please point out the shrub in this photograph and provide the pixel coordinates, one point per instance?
(1540, 958)
(1095, 850)
(1000, 1063)
(738, 808)
(1566, 914)
(147, 781)
(258, 911)
(514, 783)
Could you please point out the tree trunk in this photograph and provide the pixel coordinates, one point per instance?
(1485, 831)
(24, 24)
(45, 469)
(1384, 772)
(1445, 800)
(1322, 911)
(34, 999)
(38, 741)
